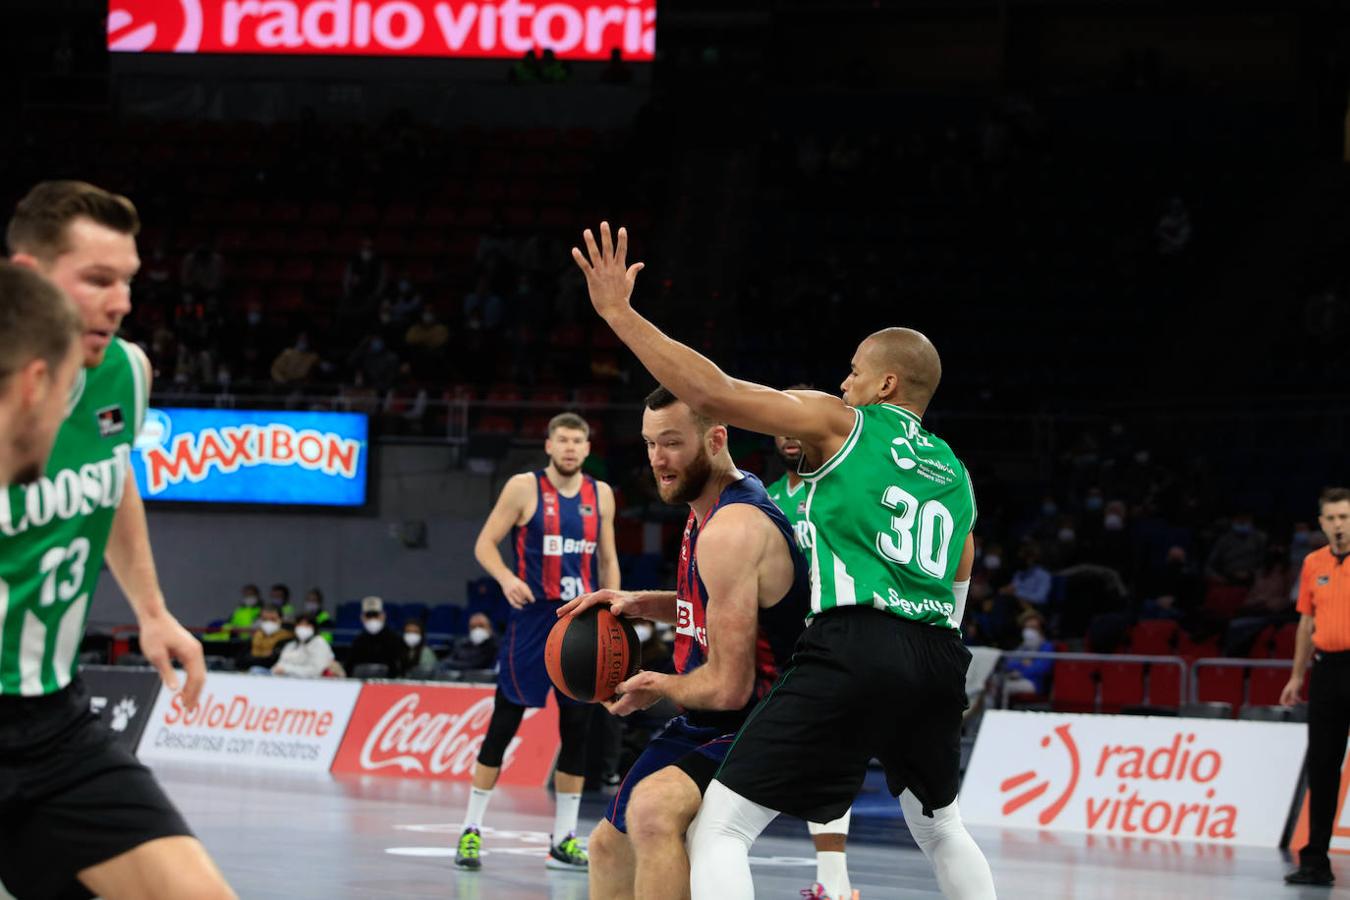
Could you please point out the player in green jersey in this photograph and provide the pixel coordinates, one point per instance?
(85, 817)
(880, 670)
(39, 359)
(830, 838)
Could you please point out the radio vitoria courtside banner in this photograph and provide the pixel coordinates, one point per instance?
(277, 457)
(572, 29)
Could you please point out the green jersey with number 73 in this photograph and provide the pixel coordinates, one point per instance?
(889, 514)
(53, 532)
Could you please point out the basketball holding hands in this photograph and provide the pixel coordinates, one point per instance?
(621, 603)
(636, 692)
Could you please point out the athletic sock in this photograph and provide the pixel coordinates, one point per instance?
(832, 872)
(478, 801)
(565, 815)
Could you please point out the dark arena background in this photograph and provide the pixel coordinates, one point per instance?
(1124, 224)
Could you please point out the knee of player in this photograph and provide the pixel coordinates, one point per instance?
(656, 813)
(605, 844)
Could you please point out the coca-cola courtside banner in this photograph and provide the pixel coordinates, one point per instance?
(434, 731)
(1161, 778)
(573, 29)
(253, 720)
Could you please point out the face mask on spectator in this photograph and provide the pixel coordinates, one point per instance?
(1113, 522)
(1066, 535)
(303, 633)
(373, 626)
(412, 638)
(1031, 637)
(1242, 527)
(250, 600)
(644, 632)
(1093, 502)
(312, 606)
(254, 318)
(478, 635)
(268, 627)
(992, 561)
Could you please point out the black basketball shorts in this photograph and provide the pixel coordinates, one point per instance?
(69, 797)
(861, 684)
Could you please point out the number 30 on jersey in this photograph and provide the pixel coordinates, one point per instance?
(927, 527)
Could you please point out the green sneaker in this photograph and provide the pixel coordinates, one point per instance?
(568, 855)
(466, 856)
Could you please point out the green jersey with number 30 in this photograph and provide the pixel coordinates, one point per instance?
(53, 532)
(888, 517)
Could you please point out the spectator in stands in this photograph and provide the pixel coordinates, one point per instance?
(1173, 232)
(526, 69)
(429, 335)
(990, 565)
(616, 71)
(364, 280)
(1176, 579)
(203, 271)
(379, 645)
(1271, 588)
(379, 364)
(323, 620)
(477, 649)
(295, 365)
(553, 70)
(242, 619)
(268, 638)
(1238, 553)
(483, 308)
(280, 596)
(1029, 675)
(406, 301)
(419, 661)
(309, 655)
(1031, 583)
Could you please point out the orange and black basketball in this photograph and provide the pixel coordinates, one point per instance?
(590, 654)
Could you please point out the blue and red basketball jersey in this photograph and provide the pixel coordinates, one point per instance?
(556, 557)
(555, 550)
(779, 626)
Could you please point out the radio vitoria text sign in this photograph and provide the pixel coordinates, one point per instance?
(573, 29)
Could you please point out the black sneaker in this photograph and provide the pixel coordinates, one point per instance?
(1315, 875)
(567, 855)
(466, 855)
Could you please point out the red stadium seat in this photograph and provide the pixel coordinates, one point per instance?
(1284, 641)
(1224, 600)
(1073, 686)
(502, 393)
(1192, 650)
(323, 214)
(399, 215)
(1164, 685)
(1266, 685)
(296, 270)
(1154, 637)
(1122, 685)
(494, 424)
(534, 427)
(1220, 683)
(361, 215)
(549, 394)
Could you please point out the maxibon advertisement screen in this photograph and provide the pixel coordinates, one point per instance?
(270, 457)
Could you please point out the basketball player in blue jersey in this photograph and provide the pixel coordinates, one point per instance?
(563, 524)
(741, 600)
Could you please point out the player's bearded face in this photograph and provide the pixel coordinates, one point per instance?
(567, 449)
(789, 451)
(686, 483)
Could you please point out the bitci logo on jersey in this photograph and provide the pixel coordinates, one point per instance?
(572, 29)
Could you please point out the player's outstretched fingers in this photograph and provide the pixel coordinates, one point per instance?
(194, 664)
(592, 250)
(606, 242)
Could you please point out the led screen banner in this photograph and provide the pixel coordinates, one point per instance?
(572, 29)
(266, 457)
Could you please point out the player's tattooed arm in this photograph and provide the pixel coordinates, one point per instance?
(819, 420)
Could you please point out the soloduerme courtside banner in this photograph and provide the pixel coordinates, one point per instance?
(253, 721)
(1155, 777)
(273, 457)
(572, 29)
